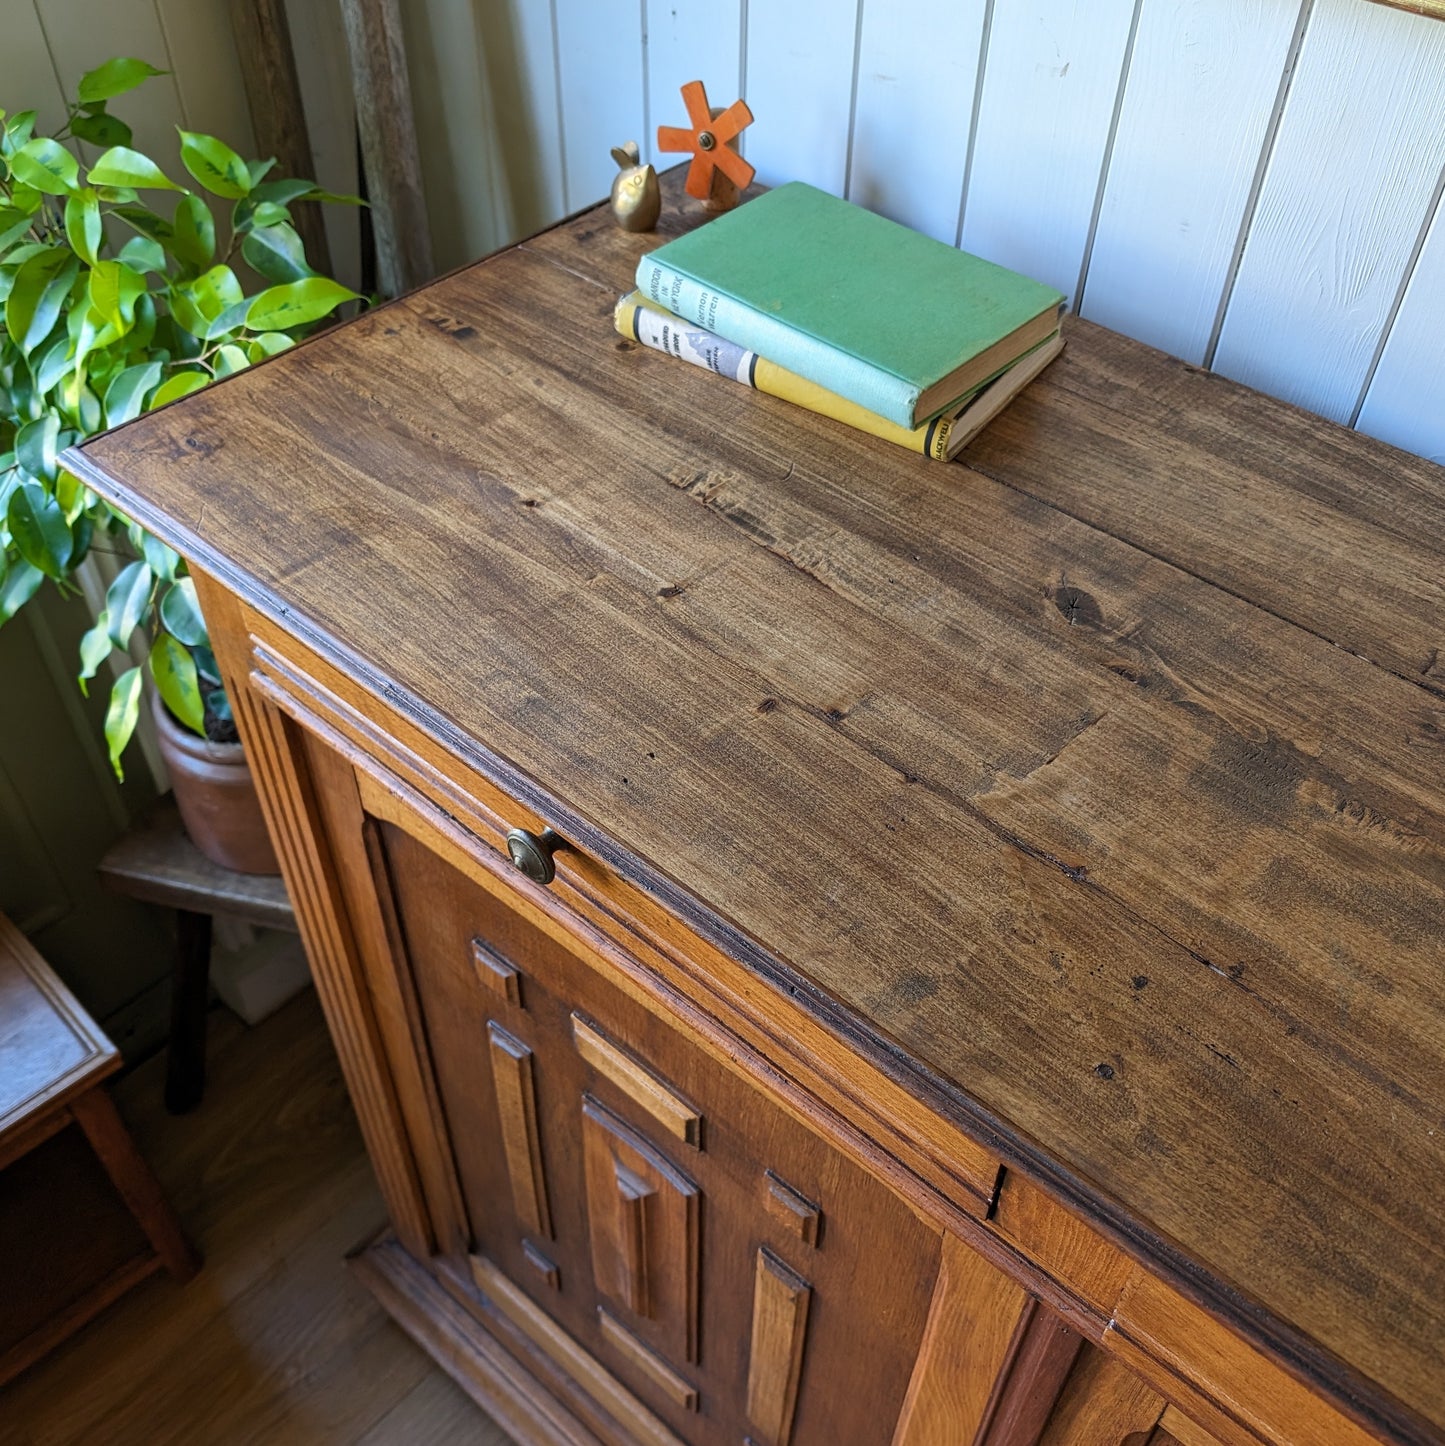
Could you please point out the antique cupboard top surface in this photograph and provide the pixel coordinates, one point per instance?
(1097, 786)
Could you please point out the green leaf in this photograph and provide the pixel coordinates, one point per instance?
(17, 130)
(174, 670)
(206, 664)
(114, 290)
(38, 529)
(115, 77)
(277, 253)
(82, 529)
(269, 343)
(281, 308)
(180, 385)
(125, 396)
(257, 169)
(13, 223)
(121, 715)
(163, 560)
(94, 650)
(195, 231)
(198, 304)
(143, 255)
(157, 228)
(121, 166)
(83, 226)
(215, 165)
(268, 213)
(46, 165)
(72, 495)
(101, 130)
(181, 613)
(20, 585)
(231, 359)
(126, 601)
(50, 363)
(35, 448)
(34, 303)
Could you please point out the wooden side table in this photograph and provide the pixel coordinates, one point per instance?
(82, 1218)
(157, 863)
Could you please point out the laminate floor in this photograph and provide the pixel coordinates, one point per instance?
(272, 1344)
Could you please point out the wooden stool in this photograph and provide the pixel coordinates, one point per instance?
(68, 1245)
(156, 863)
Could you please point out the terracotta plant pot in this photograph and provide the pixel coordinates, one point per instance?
(216, 796)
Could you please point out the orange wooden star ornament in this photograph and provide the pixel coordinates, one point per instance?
(713, 158)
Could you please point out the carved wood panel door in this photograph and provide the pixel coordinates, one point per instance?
(637, 1213)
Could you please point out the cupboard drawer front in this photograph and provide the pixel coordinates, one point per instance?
(718, 1258)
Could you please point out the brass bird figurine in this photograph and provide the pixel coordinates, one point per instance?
(636, 196)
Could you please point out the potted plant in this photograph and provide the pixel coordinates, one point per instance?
(119, 295)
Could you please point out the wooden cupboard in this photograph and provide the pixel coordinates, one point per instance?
(826, 947)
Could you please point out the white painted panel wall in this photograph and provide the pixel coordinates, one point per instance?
(1348, 190)
(915, 109)
(690, 40)
(1204, 83)
(800, 88)
(602, 90)
(1406, 400)
(1051, 83)
(519, 49)
(1153, 180)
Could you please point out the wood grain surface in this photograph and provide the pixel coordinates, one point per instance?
(1097, 785)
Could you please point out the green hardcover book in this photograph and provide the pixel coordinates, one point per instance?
(891, 319)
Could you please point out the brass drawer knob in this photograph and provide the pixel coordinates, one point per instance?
(532, 853)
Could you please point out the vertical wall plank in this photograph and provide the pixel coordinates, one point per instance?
(456, 137)
(318, 41)
(1346, 193)
(914, 110)
(520, 53)
(689, 42)
(200, 44)
(27, 79)
(599, 61)
(1406, 401)
(1049, 90)
(800, 88)
(1202, 87)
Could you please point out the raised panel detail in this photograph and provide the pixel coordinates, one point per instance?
(542, 1264)
(798, 1215)
(637, 1082)
(636, 1420)
(643, 1220)
(647, 1363)
(775, 1358)
(517, 1119)
(502, 978)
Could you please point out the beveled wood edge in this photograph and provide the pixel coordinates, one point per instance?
(462, 1346)
(1352, 1395)
(516, 1306)
(32, 1133)
(637, 1082)
(103, 1058)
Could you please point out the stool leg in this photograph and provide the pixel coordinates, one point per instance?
(96, 1114)
(190, 994)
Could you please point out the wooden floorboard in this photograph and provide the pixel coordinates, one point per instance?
(272, 1342)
